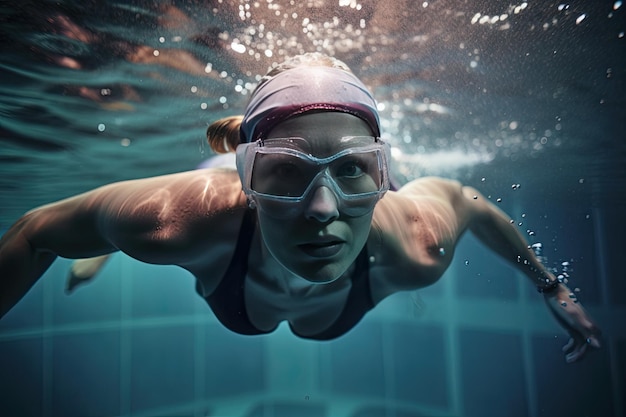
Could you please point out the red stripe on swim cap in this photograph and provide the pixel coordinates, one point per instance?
(306, 89)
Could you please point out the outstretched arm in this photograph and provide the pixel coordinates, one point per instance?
(495, 230)
(68, 228)
(173, 219)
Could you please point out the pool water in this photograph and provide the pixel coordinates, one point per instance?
(524, 101)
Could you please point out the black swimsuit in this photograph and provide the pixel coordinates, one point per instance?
(228, 303)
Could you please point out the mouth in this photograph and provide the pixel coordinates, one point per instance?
(322, 249)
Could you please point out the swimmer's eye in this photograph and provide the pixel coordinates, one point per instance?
(285, 170)
(350, 169)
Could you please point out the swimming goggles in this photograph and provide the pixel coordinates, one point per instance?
(278, 175)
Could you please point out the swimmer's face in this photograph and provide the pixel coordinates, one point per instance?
(321, 243)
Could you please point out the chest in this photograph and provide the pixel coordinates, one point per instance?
(309, 308)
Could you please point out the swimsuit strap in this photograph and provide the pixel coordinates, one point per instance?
(228, 299)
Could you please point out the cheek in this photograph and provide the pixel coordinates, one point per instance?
(277, 234)
(360, 227)
(279, 238)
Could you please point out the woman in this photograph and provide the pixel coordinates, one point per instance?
(315, 238)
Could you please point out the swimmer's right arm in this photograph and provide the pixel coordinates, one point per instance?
(173, 220)
(28, 248)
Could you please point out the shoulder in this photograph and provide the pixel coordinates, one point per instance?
(421, 201)
(445, 199)
(209, 190)
(432, 187)
(171, 218)
(415, 231)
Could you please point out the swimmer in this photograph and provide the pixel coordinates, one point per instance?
(305, 230)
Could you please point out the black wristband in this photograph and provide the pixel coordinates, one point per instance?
(550, 287)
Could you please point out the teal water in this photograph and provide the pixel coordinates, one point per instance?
(524, 101)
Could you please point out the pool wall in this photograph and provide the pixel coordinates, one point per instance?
(139, 342)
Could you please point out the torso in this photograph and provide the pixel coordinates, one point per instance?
(410, 246)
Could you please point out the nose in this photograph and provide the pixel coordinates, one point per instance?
(322, 206)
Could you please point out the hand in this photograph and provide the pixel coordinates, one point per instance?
(570, 314)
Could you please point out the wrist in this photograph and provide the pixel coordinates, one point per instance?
(549, 287)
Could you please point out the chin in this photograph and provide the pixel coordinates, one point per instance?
(319, 272)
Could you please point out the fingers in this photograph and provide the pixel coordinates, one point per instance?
(569, 345)
(585, 335)
(577, 353)
(576, 347)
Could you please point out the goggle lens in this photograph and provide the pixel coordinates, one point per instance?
(291, 174)
(280, 173)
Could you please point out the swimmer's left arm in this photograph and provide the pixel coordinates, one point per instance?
(494, 228)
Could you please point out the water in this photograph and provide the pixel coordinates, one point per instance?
(524, 101)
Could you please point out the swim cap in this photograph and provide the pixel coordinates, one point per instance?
(301, 90)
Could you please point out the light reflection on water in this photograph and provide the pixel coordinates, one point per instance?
(98, 93)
